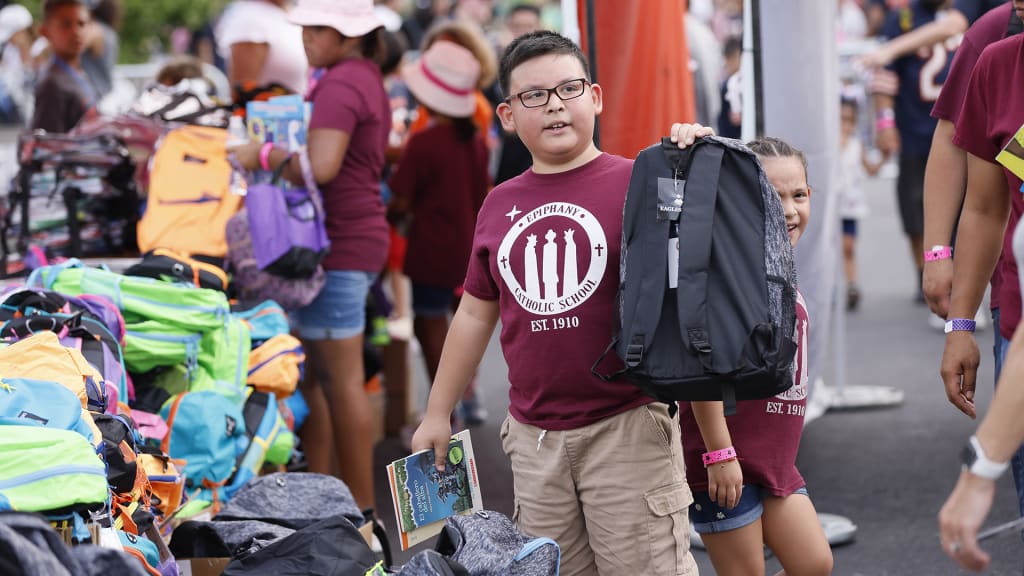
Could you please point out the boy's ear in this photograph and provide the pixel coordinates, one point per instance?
(598, 96)
(504, 111)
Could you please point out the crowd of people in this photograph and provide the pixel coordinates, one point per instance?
(436, 132)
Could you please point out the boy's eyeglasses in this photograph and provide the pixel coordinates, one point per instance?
(539, 96)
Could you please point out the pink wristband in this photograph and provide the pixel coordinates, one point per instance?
(938, 253)
(265, 155)
(718, 456)
(884, 123)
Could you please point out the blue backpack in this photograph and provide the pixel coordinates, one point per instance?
(204, 431)
(27, 402)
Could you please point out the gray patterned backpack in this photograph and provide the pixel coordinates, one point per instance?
(707, 295)
(488, 544)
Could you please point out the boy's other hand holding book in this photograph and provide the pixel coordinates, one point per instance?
(434, 433)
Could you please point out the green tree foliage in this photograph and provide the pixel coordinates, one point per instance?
(147, 24)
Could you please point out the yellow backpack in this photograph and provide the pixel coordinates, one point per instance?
(274, 365)
(189, 200)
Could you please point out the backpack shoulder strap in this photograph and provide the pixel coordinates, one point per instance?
(1014, 26)
(532, 546)
(695, 229)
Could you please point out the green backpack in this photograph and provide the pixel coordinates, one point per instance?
(138, 298)
(49, 469)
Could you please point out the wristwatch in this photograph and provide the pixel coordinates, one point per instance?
(977, 463)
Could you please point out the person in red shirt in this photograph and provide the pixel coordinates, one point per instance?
(440, 183)
(752, 494)
(348, 134)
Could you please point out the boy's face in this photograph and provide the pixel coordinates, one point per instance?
(788, 177)
(561, 130)
(65, 28)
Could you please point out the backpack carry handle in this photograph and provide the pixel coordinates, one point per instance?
(312, 189)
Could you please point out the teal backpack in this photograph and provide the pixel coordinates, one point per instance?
(265, 320)
(50, 470)
(263, 425)
(27, 402)
(204, 431)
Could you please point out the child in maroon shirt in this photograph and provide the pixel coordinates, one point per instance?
(440, 183)
(757, 496)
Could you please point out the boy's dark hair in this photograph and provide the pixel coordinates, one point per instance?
(768, 147)
(734, 45)
(534, 45)
(51, 6)
(523, 7)
(849, 103)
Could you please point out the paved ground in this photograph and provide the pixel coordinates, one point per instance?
(887, 470)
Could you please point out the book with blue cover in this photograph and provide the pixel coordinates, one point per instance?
(424, 496)
(283, 120)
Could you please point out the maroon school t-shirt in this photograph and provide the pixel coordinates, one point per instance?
(444, 177)
(547, 248)
(991, 114)
(350, 97)
(765, 433)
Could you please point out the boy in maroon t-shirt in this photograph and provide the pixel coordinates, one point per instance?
(747, 492)
(597, 466)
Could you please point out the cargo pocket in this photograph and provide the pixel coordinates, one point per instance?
(668, 529)
(503, 435)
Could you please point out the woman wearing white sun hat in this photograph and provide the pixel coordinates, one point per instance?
(348, 133)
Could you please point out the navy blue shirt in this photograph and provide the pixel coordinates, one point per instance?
(973, 9)
(921, 76)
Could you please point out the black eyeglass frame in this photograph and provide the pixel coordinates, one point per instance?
(550, 91)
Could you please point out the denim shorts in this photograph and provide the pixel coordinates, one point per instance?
(432, 301)
(708, 517)
(339, 311)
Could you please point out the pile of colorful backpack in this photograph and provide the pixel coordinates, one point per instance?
(130, 404)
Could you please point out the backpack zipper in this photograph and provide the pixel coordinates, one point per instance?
(61, 470)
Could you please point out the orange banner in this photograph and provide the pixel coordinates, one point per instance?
(643, 67)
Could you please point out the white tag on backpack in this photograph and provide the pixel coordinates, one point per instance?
(673, 262)
(670, 198)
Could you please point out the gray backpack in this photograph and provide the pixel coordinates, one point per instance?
(707, 295)
(488, 544)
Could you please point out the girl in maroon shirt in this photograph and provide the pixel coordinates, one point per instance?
(348, 133)
(440, 183)
(750, 494)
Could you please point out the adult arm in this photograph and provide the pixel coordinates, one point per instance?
(246, 63)
(945, 180)
(1000, 434)
(725, 480)
(926, 35)
(464, 346)
(326, 149)
(978, 245)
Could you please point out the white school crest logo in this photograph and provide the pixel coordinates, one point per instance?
(553, 258)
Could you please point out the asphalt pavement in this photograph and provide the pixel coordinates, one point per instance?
(887, 470)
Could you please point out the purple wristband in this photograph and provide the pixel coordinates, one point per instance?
(960, 325)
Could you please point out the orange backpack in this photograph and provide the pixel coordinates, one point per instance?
(190, 199)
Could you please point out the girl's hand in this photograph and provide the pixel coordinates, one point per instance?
(686, 134)
(248, 155)
(725, 483)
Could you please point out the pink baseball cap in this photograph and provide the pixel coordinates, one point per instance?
(444, 79)
(352, 18)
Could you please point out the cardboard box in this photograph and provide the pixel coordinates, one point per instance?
(202, 566)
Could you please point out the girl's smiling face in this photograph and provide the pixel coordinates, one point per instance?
(788, 176)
